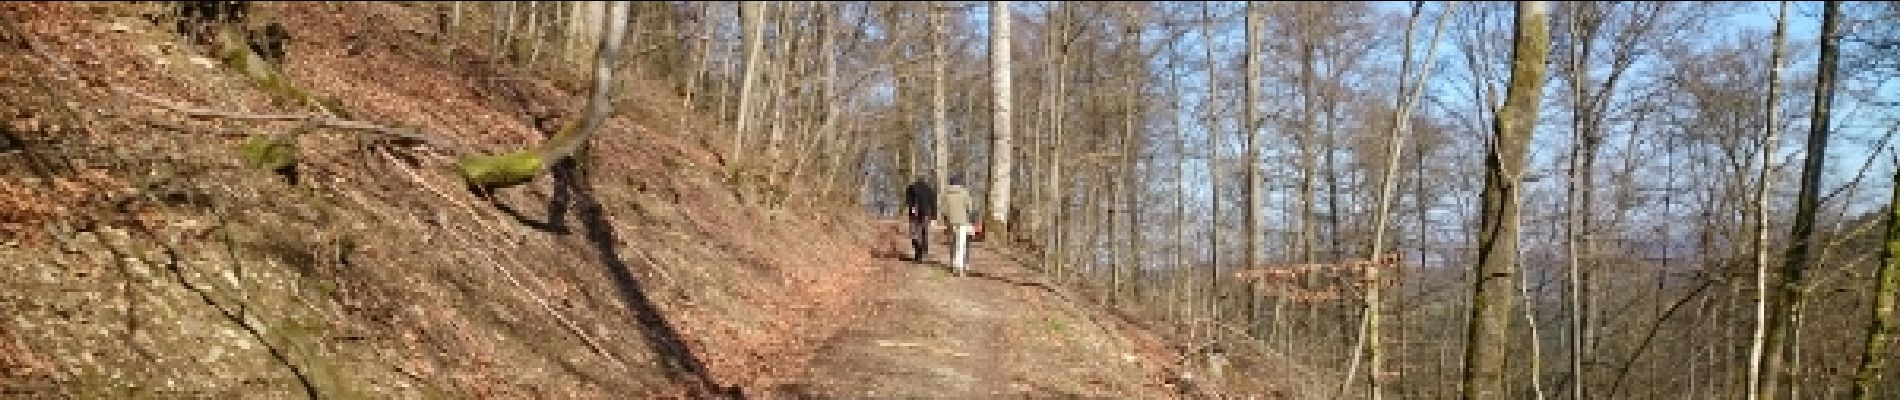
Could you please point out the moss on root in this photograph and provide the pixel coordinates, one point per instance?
(504, 170)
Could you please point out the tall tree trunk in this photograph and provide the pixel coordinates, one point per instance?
(1395, 140)
(1036, 170)
(1042, 219)
(1113, 235)
(1058, 202)
(1794, 268)
(1496, 281)
(1765, 179)
(1256, 235)
(1213, 164)
(752, 20)
(1581, 213)
(1881, 323)
(1304, 143)
(906, 117)
(996, 224)
(1180, 172)
(1329, 156)
(939, 100)
(1309, 100)
(1131, 190)
(1131, 147)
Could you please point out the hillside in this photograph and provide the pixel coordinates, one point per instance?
(149, 261)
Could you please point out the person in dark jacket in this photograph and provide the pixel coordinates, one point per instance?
(920, 205)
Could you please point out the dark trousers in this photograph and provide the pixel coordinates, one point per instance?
(920, 238)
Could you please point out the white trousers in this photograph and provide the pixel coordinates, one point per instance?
(960, 250)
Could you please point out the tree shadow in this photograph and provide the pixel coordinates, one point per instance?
(679, 361)
(558, 204)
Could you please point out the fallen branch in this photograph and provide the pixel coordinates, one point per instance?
(411, 133)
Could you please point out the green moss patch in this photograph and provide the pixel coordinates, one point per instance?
(493, 171)
(269, 152)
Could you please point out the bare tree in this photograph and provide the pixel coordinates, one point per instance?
(1213, 162)
(939, 108)
(1395, 141)
(1580, 183)
(1251, 111)
(1000, 150)
(1487, 333)
(1180, 178)
(1764, 157)
(1062, 23)
(1787, 320)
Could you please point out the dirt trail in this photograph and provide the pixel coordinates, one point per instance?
(1000, 332)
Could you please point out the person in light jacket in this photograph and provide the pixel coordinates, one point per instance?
(957, 210)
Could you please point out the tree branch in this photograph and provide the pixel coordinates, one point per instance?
(411, 133)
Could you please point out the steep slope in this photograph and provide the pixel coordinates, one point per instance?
(147, 259)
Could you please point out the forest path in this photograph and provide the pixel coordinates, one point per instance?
(1002, 331)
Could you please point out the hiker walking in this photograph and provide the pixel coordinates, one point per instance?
(956, 214)
(920, 205)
